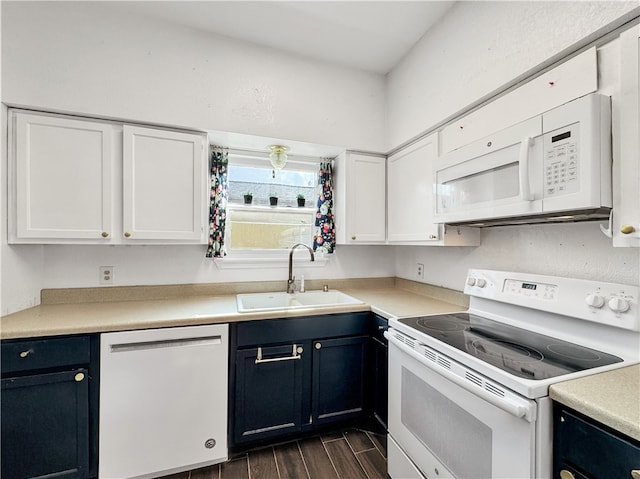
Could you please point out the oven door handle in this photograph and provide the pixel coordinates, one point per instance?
(521, 410)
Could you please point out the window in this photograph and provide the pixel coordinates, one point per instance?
(259, 229)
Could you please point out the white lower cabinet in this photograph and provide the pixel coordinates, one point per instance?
(410, 200)
(163, 401)
(76, 180)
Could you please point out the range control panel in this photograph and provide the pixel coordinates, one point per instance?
(607, 303)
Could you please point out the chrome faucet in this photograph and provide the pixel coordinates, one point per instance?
(291, 285)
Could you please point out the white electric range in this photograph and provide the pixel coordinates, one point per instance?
(468, 391)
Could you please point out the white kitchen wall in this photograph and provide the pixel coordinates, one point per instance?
(69, 267)
(86, 57)
(576, 250)
(478, 47)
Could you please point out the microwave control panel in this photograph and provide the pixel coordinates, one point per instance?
(561, 165)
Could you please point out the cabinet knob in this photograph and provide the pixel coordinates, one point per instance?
(627, 229)
(353, 237)
(105, 234)
(127, 234)
(24, 354)
(79, 377)
(433, 237)
(635, 473)
(318, 345)
(564, 474)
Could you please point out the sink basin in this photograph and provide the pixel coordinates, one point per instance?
(251, 302)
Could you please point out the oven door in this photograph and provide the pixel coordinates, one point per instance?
(450, 429)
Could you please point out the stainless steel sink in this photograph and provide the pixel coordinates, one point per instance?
(251, 302)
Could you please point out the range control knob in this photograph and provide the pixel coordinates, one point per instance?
(595, 301)
(618, 305)
(471, 281)
(481, 283)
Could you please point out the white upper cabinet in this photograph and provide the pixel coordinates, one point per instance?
(410, 193)
(62, 178)
(164, 181)
(410, 209)
(360, 199)
(91, 181)
(626, 171)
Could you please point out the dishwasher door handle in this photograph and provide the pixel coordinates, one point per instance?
(295, 354)
(165, 343)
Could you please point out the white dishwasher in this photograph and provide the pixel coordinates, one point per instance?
(163, 400)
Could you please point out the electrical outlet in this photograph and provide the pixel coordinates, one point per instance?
(420, 270)
(106, 274)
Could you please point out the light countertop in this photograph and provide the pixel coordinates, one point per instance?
(399, 298)
(611, 398)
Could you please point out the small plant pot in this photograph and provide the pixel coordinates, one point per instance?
(248, 199)
(300, 202)
(273, 201)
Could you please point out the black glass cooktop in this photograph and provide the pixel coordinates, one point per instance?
(517, 351)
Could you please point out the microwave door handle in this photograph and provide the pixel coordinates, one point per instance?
(525, 188)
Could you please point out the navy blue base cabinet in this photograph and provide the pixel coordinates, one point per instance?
(291, 376)
(378, 368)
(586, 449)
(47, 421)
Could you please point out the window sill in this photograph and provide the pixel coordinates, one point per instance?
(248, 262)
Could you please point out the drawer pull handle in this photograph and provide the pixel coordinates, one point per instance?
(79, 377)
(295, 354)
(24, 354)
(635, 473)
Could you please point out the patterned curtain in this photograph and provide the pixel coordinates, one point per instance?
(218, 205)
(324, 240)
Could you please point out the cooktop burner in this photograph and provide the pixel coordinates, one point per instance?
(517, 351)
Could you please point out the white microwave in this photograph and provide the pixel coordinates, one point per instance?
(550, 168)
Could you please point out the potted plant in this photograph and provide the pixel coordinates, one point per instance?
(273, 199)
(301, 200)
(248, 198)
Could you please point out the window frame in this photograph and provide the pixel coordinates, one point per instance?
(249, 258)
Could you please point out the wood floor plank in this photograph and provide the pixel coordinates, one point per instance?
(290, 463)
(209, 472)
(344, 461)
(380, 440)
(332, 436)
(235, 469)
(315, 456)
(373, 463)
(262, 464)
(358, 440)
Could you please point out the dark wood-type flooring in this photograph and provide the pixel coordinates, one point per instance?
(349, 454)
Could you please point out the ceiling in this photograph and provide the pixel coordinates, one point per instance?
(368, 35)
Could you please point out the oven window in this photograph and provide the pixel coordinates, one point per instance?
(457, 438)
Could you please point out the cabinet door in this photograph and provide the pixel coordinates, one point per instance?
(63, 173)
(45, 425)
(626, 171)
(164, 181)
(339, 378)
(410, 193)
(365, 198)
(592, 449)
(269, 399)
